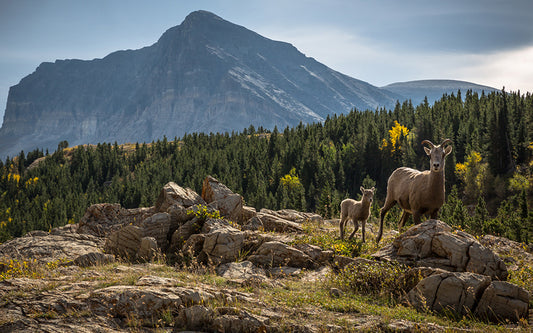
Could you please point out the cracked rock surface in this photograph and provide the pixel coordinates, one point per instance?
(434, 244)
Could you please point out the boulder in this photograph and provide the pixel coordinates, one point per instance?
(178, 216)
(238, 321)
(172, 194)
(273, 254)
(240, 271)
(465, 293)
(102, 219)
(148, 248)
(278, 224)
(144, 303)
(194, 318)
(157, 226)
(223, 243)
(154, 280)
(293, 215)
(194, 245)
(93, 259)
(191, 297)
(253, 224)
(503, 300)
(220, 197)
(124, 242)
(316, 253)
(61, 244)
(513, 253)
(180, 236)
(456, 292)
(433, 244)
(248, 213)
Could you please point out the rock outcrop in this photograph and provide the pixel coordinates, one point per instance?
(102, 219)
(183, 223)
(466, 293)
(460, 276)
(434, 244)
(278, 224)
(275, 254)
(221, 198)
(61, 244)
(172, 194)
(222, 243)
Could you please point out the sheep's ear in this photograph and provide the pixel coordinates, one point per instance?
(373, 189)
(447, 150)
(428, 151)
(362, 189)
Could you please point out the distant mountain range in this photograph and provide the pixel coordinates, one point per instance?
(417, 91)
(204, 75)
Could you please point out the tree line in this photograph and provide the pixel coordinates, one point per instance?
(309, 167)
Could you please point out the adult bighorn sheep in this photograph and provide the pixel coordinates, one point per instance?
(417, 192)
(356, 211)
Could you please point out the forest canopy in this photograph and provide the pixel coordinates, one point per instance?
(309, 167)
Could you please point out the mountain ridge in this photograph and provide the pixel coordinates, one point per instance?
(433, 89)
(204, 75)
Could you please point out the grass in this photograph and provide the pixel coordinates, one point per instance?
(327, 236)
(33, 269)
(314, 304)
(523, 278)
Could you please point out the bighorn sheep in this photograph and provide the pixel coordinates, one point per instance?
(417, 192)
(356, 211)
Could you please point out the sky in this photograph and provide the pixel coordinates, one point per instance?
(488, 42)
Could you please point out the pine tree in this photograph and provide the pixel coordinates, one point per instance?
(500, 159)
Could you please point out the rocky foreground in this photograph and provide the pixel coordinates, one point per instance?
(209, 263)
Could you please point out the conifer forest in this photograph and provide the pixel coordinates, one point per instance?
(309, 167)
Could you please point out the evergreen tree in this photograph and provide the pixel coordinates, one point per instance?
(500, 159)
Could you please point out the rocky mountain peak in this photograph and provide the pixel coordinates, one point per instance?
(204, 75)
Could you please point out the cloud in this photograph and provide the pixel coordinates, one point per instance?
(512, 69)
(380, 63)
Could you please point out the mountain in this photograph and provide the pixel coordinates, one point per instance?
(433, 89)
(204, 75)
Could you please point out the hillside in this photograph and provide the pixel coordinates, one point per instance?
(204, 75)
(208, 263)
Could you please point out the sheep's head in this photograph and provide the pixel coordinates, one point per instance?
(437, 154)
(368, 195)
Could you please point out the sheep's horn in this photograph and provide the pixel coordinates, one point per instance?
(446, 141)
(429, 143)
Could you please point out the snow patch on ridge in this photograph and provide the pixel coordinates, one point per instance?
(314, 75)
(260, 87)
(219, 52)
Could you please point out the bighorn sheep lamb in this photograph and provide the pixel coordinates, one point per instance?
(417, 192)
(356, 211)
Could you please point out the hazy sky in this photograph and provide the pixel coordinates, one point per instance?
(488, 42)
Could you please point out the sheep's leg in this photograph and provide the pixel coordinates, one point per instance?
(435, 213)
(416, 217)
(386, 207)
(355, 228)
(403, 219)
(363, 224)
(341, 226)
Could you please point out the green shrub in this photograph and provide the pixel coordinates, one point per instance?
(375, 278)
